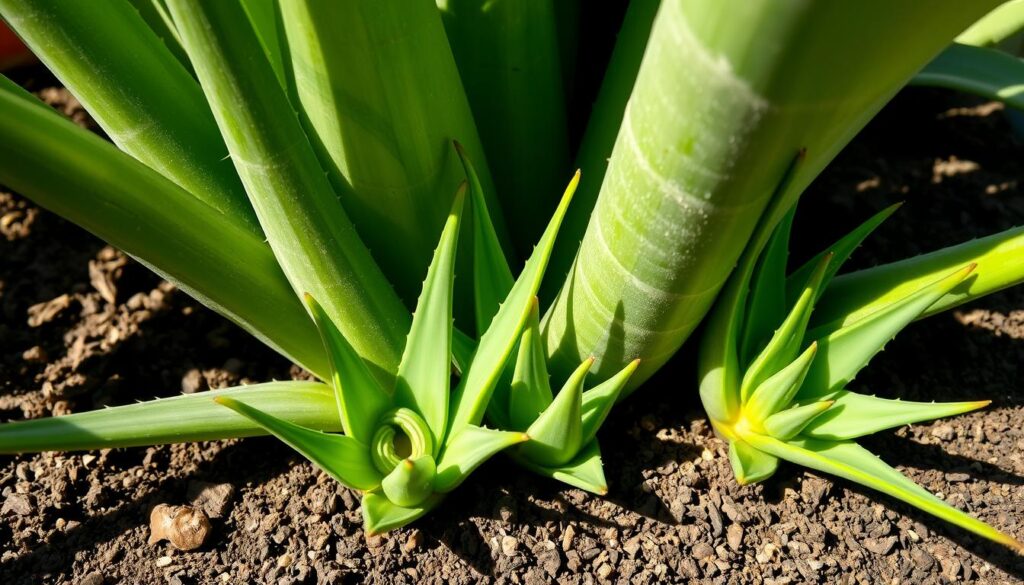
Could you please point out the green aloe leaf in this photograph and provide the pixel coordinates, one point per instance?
(777, 392)
(841, 252)
(995, 27)
(424, 374)
(843, 353)
(530, 392)
(585, 471)
(856, 415)
(766, 303)
(265, 19)
(599, 400)
(359, 397)
(496, 344)
(786, 342)
(750, 465)
(788, 423)
(381, 515)
(989, 73)
(343, 458)
(466, 450)
(179, 419)
(492, 278)
(411, 482)
(557, 434)
(851, 461)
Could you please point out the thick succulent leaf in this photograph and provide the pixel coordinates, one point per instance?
(585, 471)
(599, 400)
(178, 419)
(995, 27)
(557, 434)
(530, 392)
(841, 252)
(750, 465)
(989, 73)
(264, 16)
(788, 338)
(777, 392)
(766, 307)
(492, 278)
(361, 400)
(466, 450)
(843, 353)
(856, 415)
(496, 344)
(424, 373)
(411, 482)
(850, 461)
(786, 424)
(343, 458)
(380, 515)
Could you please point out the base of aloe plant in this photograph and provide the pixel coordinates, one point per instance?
(585, 472)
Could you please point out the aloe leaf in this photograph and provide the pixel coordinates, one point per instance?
(778, 391)
(585, 471)
(424, 374)
(411, 482)
(265, 20)
(530, 392)
(380, 97)
(843, 353)
(995, 27)
(492, 278)
(359, 398)
(1000, 260)
(557, 434)
(138, 92)
(155, 14)
(380, 515)
(989, 73)
(766, 304)
(310, 233)
(856, 415)
(785, 343)
(343, 458)
(179, 419)
(466, 450)
(211, 257)
(786, 424)
(750, 465)
(508, 59)
(852, 462)
(599, 400)
(841, 252)
(496, 344)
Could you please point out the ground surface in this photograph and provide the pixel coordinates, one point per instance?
(82, 327)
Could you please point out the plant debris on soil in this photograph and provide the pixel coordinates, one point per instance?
(82, 326)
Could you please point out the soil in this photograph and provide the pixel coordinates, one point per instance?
(82, 327)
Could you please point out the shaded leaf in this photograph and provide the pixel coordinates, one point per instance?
(343, 458)
(599, 400)
(856, 415)
(380, 515)
(585, 471)
(530, 391)
(766, 304)
(989, 73)
(557, 434)
(750, 465)
(466, 450)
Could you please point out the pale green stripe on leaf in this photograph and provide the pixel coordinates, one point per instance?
(530, 392)
(557, 434)
(843, 353)
(856, 415)
(424, 374)
(599, 400)
(359, 397)
(342, 457)
(786, 424)
(496, 344)
(466, 450)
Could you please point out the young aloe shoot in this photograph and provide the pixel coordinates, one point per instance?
(776, 390)
(405, 447)
(562, 428)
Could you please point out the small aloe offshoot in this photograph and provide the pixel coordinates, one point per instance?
(562, 428)
(775, 389)
(405, 447)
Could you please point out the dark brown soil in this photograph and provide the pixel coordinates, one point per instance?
(82, 327)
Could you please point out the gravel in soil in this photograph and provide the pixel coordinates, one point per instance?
(82, 327)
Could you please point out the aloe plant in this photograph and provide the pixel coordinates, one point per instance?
(775, 386)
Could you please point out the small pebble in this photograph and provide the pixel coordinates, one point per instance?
(164, 562)
(509, 545)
